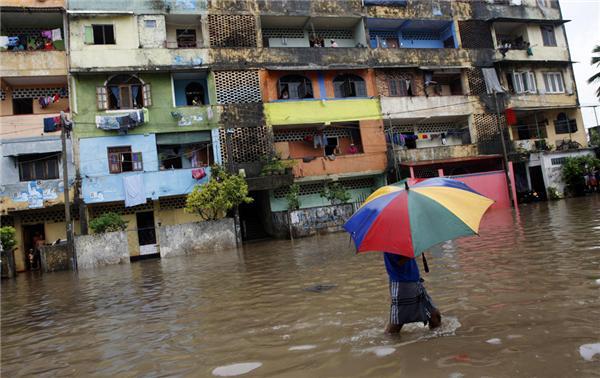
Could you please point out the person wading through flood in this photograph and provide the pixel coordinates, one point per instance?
(410, 301)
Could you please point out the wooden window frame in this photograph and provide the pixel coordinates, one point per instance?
(103, 42)
(548, 35)
(45, 161)
(116, 156)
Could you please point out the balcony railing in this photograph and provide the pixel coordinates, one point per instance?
(437, 153)
(33, 63)
(26, 125)
(344, 164)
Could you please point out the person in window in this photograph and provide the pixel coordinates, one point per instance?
(285, 94)
(352, 149)
(410, 302)
(334, 43)
(196, 101)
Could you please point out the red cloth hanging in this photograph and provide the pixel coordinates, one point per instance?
(511, 116)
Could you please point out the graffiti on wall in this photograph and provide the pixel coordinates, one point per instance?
(35, 195)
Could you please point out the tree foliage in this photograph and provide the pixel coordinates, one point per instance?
(574, 170)
(108, 222)
(293, 197)
(223, 192)
(8, 237)
(335, 193)
(596, 62)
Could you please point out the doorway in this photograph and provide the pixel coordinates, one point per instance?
(252, 217)
(146, 233)
(537, 182)
(32, 234)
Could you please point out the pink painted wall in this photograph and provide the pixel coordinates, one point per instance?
(490, 184)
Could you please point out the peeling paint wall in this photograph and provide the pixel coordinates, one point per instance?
(94, 251)
(33, 63)
(192, 238)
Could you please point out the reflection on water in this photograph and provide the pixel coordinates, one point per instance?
(520, 300)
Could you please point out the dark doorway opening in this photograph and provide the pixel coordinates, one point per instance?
(537, 182)
(33, 239)
(22, 106)
(146, 234)
(253, 221)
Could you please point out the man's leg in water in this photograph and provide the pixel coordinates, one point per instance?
(393, 329)
(436, 319)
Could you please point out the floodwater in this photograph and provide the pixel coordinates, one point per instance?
(523, 299)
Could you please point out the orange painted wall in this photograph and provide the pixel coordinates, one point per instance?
(271, 78)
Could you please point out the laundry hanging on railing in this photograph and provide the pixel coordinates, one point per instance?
(121, 122)
(52, 124)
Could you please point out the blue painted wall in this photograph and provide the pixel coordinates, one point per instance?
(98, 185)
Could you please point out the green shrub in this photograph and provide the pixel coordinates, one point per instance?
(108, 222)
(335, 193)
(573, 171)
(293, 197)
(553, 193)
(7, 237)
(223, 192)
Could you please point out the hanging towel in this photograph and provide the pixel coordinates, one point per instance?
(56, 36)
(491, 81)
(107, 123)
(198, 174)
(134, 190)
(3, 42)
(49, 125)
(47, 34)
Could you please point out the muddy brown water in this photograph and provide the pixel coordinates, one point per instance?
(519, 300)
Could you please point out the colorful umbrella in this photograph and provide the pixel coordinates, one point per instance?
(408, 221)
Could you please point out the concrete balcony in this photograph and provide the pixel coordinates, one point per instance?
(172, 182)
(102, 59)
(314, 111)
(529, 11)
(437, 153)
(304, 57)
(542, 101)
(33, 194)
(419, 57)
(25, 126)
(540, 54)
(421, 106)
(343, 165)
(33, 63)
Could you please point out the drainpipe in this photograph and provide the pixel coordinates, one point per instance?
(504, 154)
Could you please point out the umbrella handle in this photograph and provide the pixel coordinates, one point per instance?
(425, 266)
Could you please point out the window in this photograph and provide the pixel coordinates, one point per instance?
(331, 147)
(523, 82)
(38, 167)
(186, 38)
(400, 87)
(151, 24)
(294, 87)
(558, 161)
(99, 35)
(548, 35)
(349, 86)
(553, 82)
(564, 125)
(121, 159)
(22, 106)
(185, 156)
(123, 92)
(194, 94)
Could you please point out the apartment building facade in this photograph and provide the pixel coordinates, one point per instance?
(358, 93)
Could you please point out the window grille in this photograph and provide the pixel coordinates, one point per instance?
(248, 144)
(237, 87)
(475, 34)
(172, 202)
(421, 35)
(232, 30)
(39, 92)
(282, 33)
(294, 135)
(476, 82)
(119, 208)
(334, 34)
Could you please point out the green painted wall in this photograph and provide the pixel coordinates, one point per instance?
(160, 118)
(315, 200)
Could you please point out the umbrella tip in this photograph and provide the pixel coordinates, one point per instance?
(406, 185)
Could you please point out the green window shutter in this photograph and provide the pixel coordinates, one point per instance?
(88, 35)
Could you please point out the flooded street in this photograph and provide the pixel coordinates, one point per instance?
(518, 301)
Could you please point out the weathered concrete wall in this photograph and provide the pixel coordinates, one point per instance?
(437, 153)
(33, 63)
(421, 106)
(34, 3)
(190, 238)
(101, 249)
(306, 222)
(56, 257)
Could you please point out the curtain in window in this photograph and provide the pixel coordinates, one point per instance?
(117, 93)
(135, 89)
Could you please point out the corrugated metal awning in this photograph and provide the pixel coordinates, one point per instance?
(30, 148)
(183, 138)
